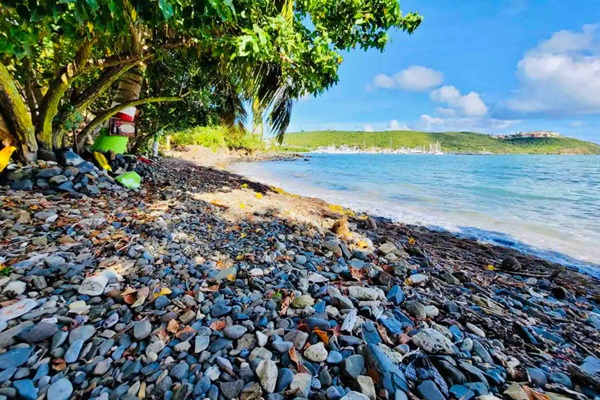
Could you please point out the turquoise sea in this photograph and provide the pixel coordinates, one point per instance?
(545, 205)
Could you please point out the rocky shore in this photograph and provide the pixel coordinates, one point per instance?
(202, 284)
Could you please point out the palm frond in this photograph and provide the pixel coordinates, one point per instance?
(281, 113)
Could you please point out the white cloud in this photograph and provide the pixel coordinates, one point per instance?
(561, 75)
(384, 81)
(368, 128)
(415, 78)
(577, 124)
(431, 123)
(469, 104)
(397, 126)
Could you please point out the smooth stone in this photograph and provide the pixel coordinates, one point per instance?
(461, 392)
(363, 293)
(316, 352)
(367, 387)
(433, 342)
(281, 346)
(201, 343)
(284, 379)
(299, 338)
(235, 331)
(15, 358)
(267, 373)
(231, 390)
(39, 332)
(180, 371)
(353, 366)
(93, 285)
(142, 329)
(82, 333)
(219, 310)
(303, 301)
(428, 390)
(26, 389)
(334, 357)
(560, 378)
(302, 383)
(537, 377)
(352, 395)
(73, 351)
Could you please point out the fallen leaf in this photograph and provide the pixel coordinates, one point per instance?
(411, 241)
(58, 364)
(294, 358)
(490, 267)
(285, 304)
(383, 333)
(231, 277)
(163, 292)
(173, 326)
(533, 395)
(142, 295)
(218, 325)
(212, 288)
(322, 335)
(258, 196)
(356, 273)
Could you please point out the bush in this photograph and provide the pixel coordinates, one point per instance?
(211, 137)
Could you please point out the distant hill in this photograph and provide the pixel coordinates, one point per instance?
(451, 142)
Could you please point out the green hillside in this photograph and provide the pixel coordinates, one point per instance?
(451, 142)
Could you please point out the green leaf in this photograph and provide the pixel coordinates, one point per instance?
(166, 8)
(93, 4)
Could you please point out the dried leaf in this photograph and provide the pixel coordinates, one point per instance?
(336, 330)
(218, 325)
(129, 298)
(173, 326)
(357, 274)
(533, 395)
(294, 357)
(285, 304)
(383, 333)
(411, 241)
(142, 295)
(163, 292)
(58, 364)
(212, 288)
(322, 335)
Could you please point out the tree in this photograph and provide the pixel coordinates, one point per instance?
(60, 58)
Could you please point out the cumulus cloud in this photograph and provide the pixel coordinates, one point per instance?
(397, 126)
(561, 75)
(369, 128)
(469, 104)
(415, 78)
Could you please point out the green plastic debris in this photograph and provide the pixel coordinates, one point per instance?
(105, 142)
(131, 180)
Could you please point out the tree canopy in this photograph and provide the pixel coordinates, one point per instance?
(60, 60)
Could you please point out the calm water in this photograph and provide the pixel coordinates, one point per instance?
(546, 205)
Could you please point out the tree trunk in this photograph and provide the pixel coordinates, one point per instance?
(16, 116)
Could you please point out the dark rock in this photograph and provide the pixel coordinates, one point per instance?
(25, 184)
(511, 264)
(231, 390)
(428, 390)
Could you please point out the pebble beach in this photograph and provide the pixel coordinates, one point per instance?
(203, 284)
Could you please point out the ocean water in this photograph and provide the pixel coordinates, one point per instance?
(543, 205)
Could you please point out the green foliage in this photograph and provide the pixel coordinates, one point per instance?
(215, 138)
(451, 142)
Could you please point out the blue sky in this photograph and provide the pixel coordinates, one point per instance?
(493, 66)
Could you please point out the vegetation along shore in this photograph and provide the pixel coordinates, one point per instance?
(449, 142)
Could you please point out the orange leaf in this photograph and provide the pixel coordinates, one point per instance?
(533, 395)
(356, 273)
(173, 326)
(218, 325)
(322, 335)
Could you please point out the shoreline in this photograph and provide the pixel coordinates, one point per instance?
(544, 253)
(202, 281)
